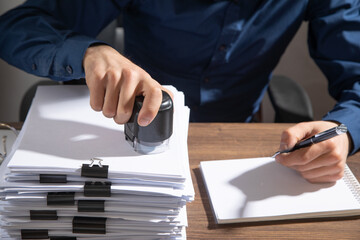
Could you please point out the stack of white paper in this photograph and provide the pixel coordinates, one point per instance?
(142, 197)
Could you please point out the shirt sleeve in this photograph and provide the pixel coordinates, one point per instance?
(49, 38)
(334, 44)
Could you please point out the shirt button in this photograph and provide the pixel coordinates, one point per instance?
(222, 47)
(69, 69)
(33, 66)
(206, 80)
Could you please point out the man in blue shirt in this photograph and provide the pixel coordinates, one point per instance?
(219, 53)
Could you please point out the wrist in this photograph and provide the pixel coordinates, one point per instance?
(92, 49)
(350, 143)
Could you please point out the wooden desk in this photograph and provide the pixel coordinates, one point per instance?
(216, 141)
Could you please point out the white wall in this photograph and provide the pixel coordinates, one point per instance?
(295, 64)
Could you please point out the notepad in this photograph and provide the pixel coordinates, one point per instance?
(260, 189)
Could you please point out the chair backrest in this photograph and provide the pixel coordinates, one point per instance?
(289, 100)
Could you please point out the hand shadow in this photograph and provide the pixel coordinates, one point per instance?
(270, 180)
(70, 137)
(74, 140)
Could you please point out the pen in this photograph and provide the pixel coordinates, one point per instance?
(332, 132)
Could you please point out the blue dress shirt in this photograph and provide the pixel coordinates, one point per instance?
(219, 53)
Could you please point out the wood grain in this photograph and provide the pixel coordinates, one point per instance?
(215, 141)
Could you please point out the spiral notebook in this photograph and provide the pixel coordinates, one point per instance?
(260, 189)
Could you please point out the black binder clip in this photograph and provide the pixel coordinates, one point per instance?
(95, 170)
(97, 189)
(61, 198)
(53, 178)
(43, 215)
(34, 234)
(91, 206)
(153, 138)
(89, 225)
(62, 238)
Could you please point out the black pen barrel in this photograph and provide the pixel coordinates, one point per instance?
(303, 144)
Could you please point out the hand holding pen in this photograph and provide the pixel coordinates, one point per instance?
(330, 133)
(320, 158)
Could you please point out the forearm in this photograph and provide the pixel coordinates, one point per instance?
(334, 33)
(40, 38)
(347, 111)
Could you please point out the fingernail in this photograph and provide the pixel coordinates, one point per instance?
(144, 121)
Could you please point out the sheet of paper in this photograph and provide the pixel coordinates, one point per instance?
(122, 198)
(64, 132)
(60, 134)
(261, 189)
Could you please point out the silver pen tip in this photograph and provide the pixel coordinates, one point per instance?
(277, 153)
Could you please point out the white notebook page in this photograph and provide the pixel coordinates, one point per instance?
(261, 189)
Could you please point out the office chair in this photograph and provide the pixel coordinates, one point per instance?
(290, 101)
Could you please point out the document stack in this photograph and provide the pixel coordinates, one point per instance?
(72, 175)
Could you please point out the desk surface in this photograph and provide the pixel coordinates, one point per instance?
(215, 141)
(226, 141)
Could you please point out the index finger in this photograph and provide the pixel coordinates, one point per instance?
(295, 134)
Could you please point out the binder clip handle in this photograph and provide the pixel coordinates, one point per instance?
(93, 160)
(95, 170)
